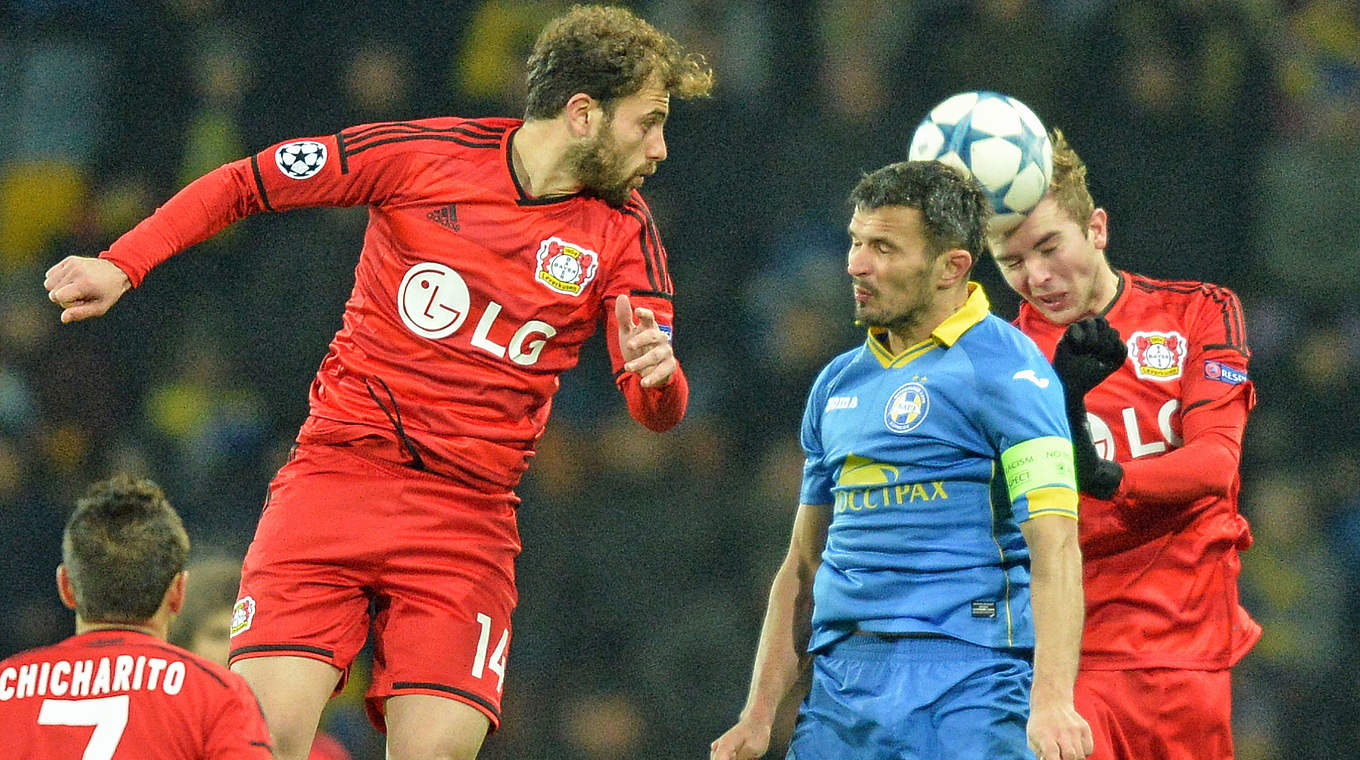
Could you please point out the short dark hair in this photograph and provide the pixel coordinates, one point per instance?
(607, 53)
(952, 204)
(122, 547)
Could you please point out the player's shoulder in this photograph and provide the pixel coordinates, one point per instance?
(439, 134)
(994, 339)
(839, 365)
(1185, 291)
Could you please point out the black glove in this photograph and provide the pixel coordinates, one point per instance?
(1095, 475)
(1089, 352)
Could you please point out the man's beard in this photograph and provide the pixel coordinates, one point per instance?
(601, 170)
(881, 318)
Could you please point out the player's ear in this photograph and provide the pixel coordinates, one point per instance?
(1098, 229)
(174, 595)
(65, 589)
(955, 265)
(583, 111)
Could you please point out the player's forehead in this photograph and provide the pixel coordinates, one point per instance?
(885, 222)
(1046, 225)
(652, 98)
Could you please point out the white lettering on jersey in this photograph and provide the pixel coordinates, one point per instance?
(1103, 436)
(434, 302)
(82, 678)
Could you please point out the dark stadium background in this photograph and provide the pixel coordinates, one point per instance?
(1222, 136)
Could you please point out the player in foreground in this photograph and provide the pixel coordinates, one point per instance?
(116, 689)
(494, 248)
(911, 595)
(1157, 466)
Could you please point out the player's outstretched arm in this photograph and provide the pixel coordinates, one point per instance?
(85, 287)
(780, 656)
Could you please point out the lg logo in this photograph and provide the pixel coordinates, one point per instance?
(434, 302)
(1103, 437)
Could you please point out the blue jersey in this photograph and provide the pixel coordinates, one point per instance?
(903, 449)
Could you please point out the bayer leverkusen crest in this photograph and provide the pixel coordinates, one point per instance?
(565, 267)
(1157, 355)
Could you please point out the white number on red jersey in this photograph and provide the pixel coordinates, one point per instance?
(108, 715)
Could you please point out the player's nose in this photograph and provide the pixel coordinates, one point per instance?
(656, 147)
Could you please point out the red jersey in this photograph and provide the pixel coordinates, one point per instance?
(1160, 558)
(121, 694)
(470, 297)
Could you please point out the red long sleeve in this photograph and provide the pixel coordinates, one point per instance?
(194, 214)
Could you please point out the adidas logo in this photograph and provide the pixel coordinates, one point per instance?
(445, 217)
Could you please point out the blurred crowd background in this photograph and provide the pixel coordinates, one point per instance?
(1223, 136)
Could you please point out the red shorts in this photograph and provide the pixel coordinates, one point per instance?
(347, 542)
(1157, 713)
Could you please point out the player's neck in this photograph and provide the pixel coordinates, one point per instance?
(536, 155)
(902, 337)
(1106, 290)
(153, 627)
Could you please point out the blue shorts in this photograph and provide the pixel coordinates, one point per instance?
(877, 698)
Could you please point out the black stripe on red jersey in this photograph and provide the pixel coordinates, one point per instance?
(652, 258)
(259, 181)
(655, 236)
(449, 690)
(281, 648)
(470, 128)
(652, 294)
(353, 140)
(1233, 324)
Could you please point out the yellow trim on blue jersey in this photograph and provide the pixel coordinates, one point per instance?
(1053, 500)
(974, 310)
(947, 333)
(878, 345)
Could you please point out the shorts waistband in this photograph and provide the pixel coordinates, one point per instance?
(865, 645)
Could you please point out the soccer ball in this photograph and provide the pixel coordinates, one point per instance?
(998, 140)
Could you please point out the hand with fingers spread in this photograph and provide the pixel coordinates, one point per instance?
(85, 287)
(1089, 351)
(646, 349)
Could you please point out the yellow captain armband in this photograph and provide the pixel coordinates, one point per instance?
(1041, 470)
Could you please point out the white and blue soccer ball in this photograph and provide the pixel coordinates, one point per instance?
(998, 140)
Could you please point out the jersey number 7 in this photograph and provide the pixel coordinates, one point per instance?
(108, 715)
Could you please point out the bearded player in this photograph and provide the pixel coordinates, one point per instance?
(1157, 395)
(494, 248)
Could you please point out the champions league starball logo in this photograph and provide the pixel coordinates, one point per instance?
(907, 408)
(301, 159)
